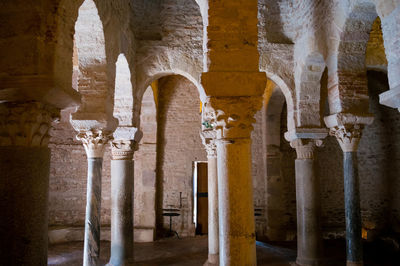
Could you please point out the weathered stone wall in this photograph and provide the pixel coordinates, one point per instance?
(178, 146)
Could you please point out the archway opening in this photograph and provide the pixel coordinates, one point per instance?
(171, 122)
(273, 170)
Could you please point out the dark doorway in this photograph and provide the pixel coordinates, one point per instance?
(201, 197)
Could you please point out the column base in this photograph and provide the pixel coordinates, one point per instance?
(213, 259)
(309, 262)
(354, 263)
(127, 262)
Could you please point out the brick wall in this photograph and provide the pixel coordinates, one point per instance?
(178, 145)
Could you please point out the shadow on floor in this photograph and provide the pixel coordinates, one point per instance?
(188, 251)
(193, 251)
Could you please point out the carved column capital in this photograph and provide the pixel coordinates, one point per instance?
(348, 136)
(26, 124)
(94, 142)
(123, 149)
(126, 142)
(305, 147)
(208, 138)
(234, 116)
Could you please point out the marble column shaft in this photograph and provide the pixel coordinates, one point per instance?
(213, 225)
(122, 179)
(348, 138)
(24, 182)
(93, 207)
(94, 142)
(208, 139)
(354, 249)
(309, 235)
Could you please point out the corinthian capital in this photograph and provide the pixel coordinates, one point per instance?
(94, 142)
(26, 124)
(234, 116)
(347, 128)
(305, 148)
(123, 149)
(125, 143)
(348, 136)
(208, 138)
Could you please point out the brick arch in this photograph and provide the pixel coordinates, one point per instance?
(142, 87)
(347, 82)
(115, 42)
(153, 66)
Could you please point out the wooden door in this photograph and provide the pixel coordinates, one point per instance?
(202, 198)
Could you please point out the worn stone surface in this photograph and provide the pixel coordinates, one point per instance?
(24, 186)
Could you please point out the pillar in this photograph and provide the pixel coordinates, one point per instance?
(94, 142)
(208, 138)
(309, 235)
(349, 137)
(233, 122)
(24, 182)
(122, 179)
(121, 202)
(389, 13)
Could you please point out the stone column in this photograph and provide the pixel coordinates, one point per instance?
(208, 138)
(24, 182)
(309, 235)
(233, 122)
(121, 202)
(348, 137)
(94, 142)
(122, 179)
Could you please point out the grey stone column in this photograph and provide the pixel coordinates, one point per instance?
(233, 122)
(349, 137)
(309, 235)
(94, 142)
(24, 182)
(122, 167)
(208, 138)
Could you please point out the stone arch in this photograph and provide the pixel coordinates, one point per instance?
(145, 164)
(168, 62)
(123, 97)
(289, 98)
(347, 86)
(274, 186)
(389, 13)
(272, 168)
(169, 134)
(64, 51)
(67, 12)
(90, 54)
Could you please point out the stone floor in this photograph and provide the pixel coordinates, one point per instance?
(189, 251)
(193, 251)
